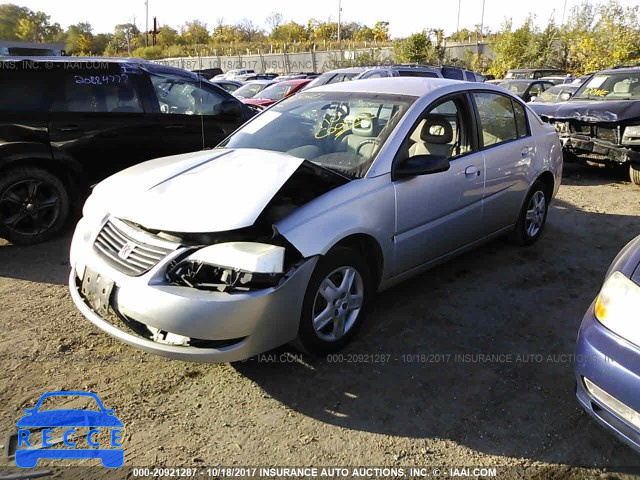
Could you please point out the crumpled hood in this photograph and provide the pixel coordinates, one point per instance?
(208, 191)
(591, 110)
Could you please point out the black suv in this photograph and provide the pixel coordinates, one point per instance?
(66, 123)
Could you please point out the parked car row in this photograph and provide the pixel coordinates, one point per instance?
(331, 195)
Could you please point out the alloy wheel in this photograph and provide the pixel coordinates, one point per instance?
(536, 211)
(29, 207)
(338, 303)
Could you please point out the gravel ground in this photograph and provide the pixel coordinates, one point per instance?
(400, 395)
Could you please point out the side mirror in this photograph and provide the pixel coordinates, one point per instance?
(564, 96)
(231, 108)
(421, 165)
(532, 98)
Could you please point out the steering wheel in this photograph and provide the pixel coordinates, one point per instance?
(368, 141)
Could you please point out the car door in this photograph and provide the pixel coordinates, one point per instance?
(509, 149)
(439, 213)
(97, 118)
(189, 114)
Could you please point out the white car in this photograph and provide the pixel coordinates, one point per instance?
(286, 230)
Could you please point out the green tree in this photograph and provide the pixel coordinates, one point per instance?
(79, 39)
(381, 32)
(10, 16)
(289, 32)
(195, 32)
(125, 35)
(167, 36)
(417, 48)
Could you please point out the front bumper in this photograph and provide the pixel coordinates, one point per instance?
(613, 365)
(246, 323)
(598, 150)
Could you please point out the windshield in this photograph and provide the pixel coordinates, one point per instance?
(550, 95)
(336, 130)
(512, 75)
(515, 87)
(611, 86)
(277, 91)
(249, 90)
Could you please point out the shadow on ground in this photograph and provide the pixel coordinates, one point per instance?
(477, 351)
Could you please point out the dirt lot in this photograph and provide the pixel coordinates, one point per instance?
(406, 411)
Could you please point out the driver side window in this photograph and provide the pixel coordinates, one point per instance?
(181, 97)
(441, 132)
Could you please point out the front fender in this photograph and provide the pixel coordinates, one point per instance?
(363, 206)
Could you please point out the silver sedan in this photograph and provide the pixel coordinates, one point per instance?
(286, 231)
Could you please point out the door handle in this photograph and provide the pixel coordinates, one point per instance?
(526, 151)
(472, 171)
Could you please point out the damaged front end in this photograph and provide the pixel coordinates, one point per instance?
(598, 141)
(250, 258)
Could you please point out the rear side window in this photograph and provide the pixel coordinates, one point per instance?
(417, 73)
(181, 97)
(98, 93)
(453, 73)
(521, 120)
(497, 119)
(23, 92)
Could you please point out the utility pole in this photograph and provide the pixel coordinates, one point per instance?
(339, 23)
(146, 26)
(482, 20)
(458, 25)
(564, 11)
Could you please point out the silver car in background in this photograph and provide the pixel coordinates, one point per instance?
(286, 231)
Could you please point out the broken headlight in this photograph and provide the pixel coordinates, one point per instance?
(631, 135)
(233, 266)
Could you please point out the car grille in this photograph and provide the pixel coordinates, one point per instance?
(128, 250)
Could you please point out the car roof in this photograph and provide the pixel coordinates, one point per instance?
(349, 70)
(413, 86)
(525, 80)
(620, 70)
(261, 81)
(295, 81)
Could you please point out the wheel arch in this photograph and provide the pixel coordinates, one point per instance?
(68, 171)
(370, 250)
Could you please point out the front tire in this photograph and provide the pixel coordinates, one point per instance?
(34, 205)
(334, 303)
(533, 216)
(634, 173)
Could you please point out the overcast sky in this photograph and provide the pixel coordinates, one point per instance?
(405, 16)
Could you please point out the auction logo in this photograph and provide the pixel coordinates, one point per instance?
(33, 446)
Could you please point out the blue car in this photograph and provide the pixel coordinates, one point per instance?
(28, 456)
(608, 350)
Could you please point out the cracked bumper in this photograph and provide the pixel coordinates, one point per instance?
(246, 323)
(593, 148)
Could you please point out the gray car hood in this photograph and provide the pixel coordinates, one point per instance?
(209, 191)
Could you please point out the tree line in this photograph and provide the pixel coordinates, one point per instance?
(594, 36)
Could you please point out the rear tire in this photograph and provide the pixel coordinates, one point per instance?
(334, 303)
(533, 216)
(34, 205)
(634, 173)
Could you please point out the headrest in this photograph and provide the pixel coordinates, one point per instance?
(365, 125)
(622, 87)
(436, 129)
